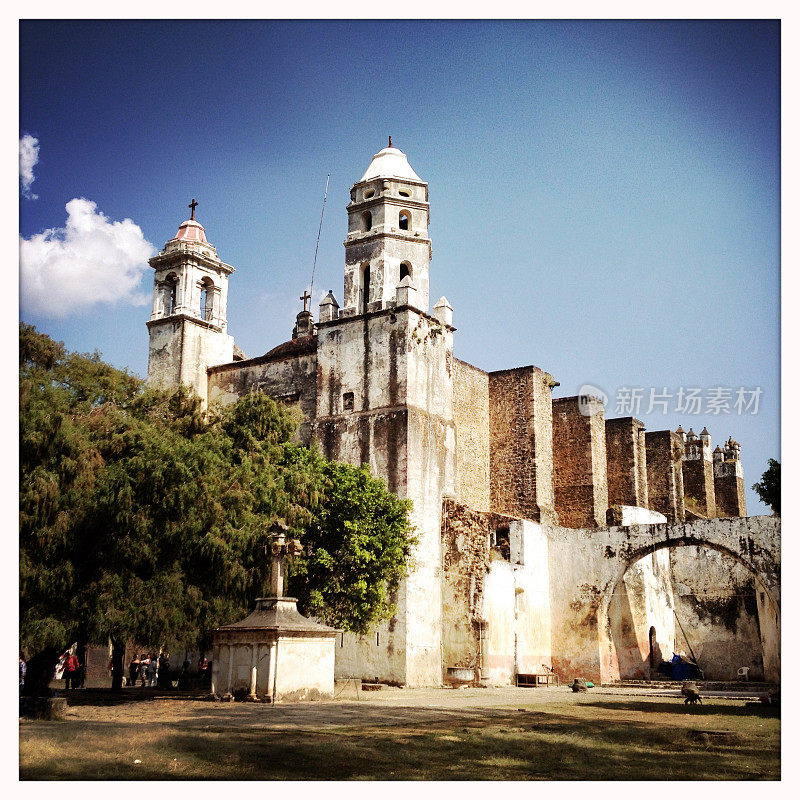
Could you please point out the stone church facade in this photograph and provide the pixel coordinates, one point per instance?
(505, 480)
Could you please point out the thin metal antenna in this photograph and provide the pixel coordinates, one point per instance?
(316, 249)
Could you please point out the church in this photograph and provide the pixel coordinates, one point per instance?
(551, 540)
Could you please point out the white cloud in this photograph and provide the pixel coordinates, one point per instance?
(28, 159)
(91, 260)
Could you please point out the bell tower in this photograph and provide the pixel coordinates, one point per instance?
(387, 235)
(384, 391)
(188, 325)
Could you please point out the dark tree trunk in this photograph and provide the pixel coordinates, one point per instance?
(40, 673)
(82, 653)
(117, 664)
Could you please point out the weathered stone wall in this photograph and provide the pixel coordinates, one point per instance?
(495, 594)
(531, 598)
(729, 489)
(579, 462)
(395, 365)
(665, 474)
(181, 349)
(586, 566)
(715, 601)
(431, 476)
(698, 483)
(466, 552)
(626, 462)
(641, 617)
(287, 373)
(521, 443)
(471, 418)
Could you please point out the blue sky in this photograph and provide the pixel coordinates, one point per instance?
(604, 196)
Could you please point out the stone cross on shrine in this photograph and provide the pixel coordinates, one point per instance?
(305, 297)
(280, 549)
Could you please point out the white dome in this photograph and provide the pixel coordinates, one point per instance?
(390, 163)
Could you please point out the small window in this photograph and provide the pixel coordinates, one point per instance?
(405, 270)
(502, 541)
(369, 193)
(365, 289)
(404, 193)
(347, 401)
(207, 300)
(405, 221)
(172, 293)
(367, 221)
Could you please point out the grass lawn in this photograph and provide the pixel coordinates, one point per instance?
(557, 736)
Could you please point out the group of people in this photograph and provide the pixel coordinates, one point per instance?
(146, 669)
(153, 670)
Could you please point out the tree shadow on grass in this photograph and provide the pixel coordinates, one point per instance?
(707, 708)
(137, 694)
(507, 746)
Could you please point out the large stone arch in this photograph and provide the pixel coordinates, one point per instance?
(587, 565)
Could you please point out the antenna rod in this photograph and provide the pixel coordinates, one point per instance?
(316, 249)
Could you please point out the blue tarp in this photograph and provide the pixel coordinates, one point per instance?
(679, 669)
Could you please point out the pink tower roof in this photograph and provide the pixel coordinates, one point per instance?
(191, 231)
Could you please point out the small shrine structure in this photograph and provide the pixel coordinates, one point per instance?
(275, 654)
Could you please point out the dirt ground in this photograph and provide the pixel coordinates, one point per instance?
(406, 734)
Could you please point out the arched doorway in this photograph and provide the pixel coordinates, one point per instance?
(654, 661)
(649, 612)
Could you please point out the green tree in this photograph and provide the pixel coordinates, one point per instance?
(143, 518)
(769, 487)
(357, 546)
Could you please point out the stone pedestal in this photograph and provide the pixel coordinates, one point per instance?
(274, 654)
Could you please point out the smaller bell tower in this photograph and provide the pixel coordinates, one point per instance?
(188, 325)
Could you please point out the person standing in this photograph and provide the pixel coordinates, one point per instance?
(152, 671)
(133, 670)
(71, 671)
(164, 681)
(202, 666)
(144, 662)
(23, 668)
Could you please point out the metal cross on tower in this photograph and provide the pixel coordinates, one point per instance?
(193, 206)
(305, 297)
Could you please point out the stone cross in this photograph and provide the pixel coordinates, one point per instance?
(280, 549)
(305, 297)
(193, 206)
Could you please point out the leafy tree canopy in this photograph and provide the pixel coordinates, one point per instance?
(357, 545)
(769, 487)
(142, 518)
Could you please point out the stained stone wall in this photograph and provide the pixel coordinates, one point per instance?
(716, 603)
(394, 367)
(626, 462)
(579, 462)
(729, 489)
(495, 594)
(665, 474)
(287, 373)
(521, 443)
(471, 418)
